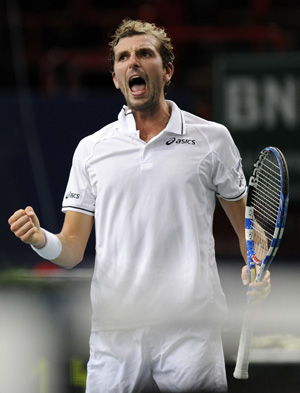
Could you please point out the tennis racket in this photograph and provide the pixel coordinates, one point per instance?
(265, 216)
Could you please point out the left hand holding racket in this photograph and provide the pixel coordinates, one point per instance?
(259, 291)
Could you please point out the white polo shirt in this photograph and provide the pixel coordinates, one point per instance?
(153, 205)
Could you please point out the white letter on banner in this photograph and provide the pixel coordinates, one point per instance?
(280, 101)
(241, 103)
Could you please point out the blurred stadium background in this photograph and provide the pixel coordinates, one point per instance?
(237, 62)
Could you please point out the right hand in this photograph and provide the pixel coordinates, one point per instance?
(26, 226)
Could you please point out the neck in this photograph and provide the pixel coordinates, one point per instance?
(151, 124)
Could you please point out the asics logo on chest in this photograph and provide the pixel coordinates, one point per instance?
(181, 141)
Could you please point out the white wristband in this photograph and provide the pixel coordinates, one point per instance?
(51, 249)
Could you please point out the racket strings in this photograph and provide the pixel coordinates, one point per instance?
(272, 207)
(271, 184)
(267, 198)
(266, 202)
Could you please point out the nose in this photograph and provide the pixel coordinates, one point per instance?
(133, 60)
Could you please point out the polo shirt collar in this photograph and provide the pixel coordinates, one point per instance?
(175, 125)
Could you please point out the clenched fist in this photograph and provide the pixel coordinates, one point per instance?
(26, 226)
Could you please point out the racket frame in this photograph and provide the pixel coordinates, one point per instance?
(243, 357)
(281, 215)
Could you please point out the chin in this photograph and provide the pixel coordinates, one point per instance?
(138, 105)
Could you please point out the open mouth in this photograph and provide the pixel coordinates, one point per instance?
(137, 84)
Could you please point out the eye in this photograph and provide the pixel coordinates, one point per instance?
(145, 53)
(122, 57)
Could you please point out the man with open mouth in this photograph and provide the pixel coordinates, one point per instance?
(141, 76)
(148, 184)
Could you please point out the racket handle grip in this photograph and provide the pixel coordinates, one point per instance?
(243, 356)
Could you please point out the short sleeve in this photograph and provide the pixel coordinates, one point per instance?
(79, 195)
(228, 176)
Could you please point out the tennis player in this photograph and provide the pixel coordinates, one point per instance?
(148, 183)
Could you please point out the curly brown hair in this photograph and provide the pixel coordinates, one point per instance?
(129, 28)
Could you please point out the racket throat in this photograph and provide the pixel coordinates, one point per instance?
(252, 274)
(256, 260)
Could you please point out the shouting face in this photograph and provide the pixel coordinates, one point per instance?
(139, 72)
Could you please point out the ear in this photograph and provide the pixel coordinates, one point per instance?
(115, 80)
(169, 71)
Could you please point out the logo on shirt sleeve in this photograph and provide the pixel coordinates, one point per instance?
(72, 195)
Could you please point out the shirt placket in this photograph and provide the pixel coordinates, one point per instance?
(147, 157)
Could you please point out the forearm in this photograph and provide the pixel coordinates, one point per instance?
(243, 247)
(71, 252)
(65, 252)
(236, 214)
(65, 249)
(73, 237)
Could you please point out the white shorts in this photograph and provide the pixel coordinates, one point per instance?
(156, 359)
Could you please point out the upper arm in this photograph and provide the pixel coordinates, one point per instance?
(235, 211)
(78, 225)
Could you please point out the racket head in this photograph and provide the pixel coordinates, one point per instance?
(266, 209)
